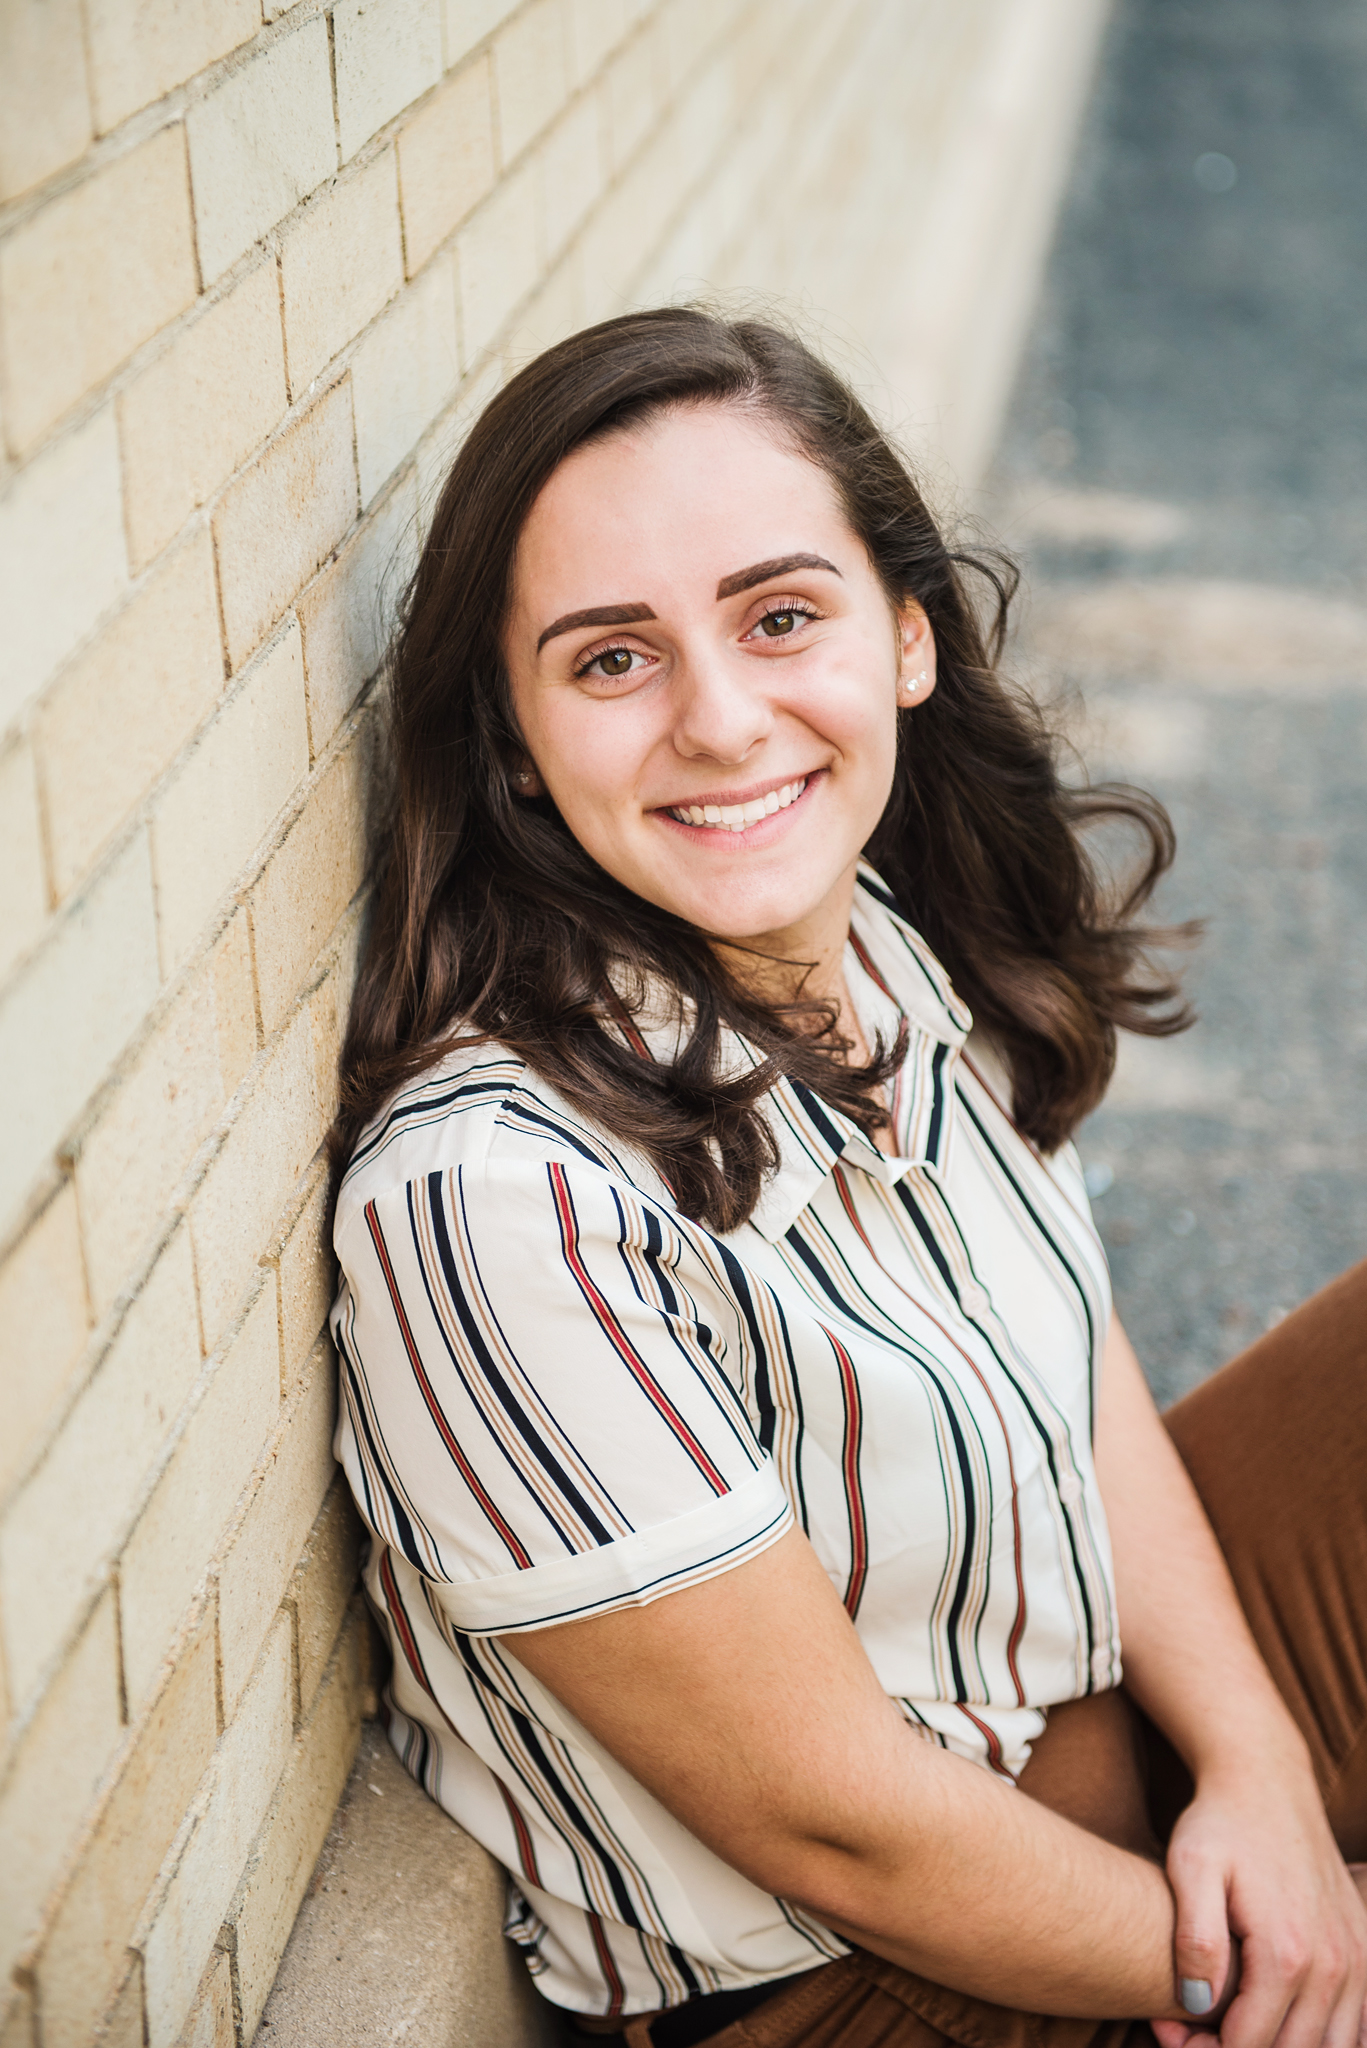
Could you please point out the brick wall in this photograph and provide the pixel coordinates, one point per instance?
(259, 264)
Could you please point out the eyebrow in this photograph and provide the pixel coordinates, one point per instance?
(760, 572)
(730, 586)
(597, 615)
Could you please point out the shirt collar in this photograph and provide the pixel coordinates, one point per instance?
(892, 974)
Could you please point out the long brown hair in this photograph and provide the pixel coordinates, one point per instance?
(492, 922)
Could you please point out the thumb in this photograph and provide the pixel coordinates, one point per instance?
(1201, 1943)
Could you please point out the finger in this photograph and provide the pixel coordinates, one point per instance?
(1178, 2034)
(1201, 1947)
(1278, 2000)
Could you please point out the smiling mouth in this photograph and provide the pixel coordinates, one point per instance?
(739, 817)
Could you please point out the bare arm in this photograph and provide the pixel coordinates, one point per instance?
(1190, 1661)
(1253, 1854)
(748, 1707)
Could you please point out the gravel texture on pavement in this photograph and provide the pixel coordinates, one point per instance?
(1183, 478)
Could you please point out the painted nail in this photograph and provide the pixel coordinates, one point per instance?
(1197, 1996)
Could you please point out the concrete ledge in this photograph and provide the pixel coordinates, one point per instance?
(399, 1938)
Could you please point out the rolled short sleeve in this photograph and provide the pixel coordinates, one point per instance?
(542, 1382)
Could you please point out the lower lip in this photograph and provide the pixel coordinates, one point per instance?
(754, 836)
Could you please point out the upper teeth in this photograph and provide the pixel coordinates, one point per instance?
(736, 817)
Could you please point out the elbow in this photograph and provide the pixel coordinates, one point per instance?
(834, 1880)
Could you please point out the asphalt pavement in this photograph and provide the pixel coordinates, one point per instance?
(1184, 475)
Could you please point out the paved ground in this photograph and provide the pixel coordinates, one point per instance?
(1184, 474)
(400, 1937)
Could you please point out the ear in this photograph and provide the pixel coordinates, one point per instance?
(917, 677)
(525, 780)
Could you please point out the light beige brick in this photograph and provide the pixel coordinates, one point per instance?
(254, 1574)
(122, 2026)
(282, 517)
(178, 1085)
(555, 310)
(403, 374)
(690, 29)
(89, 278)
(531, 74)
(617, 240)
(439, 448)
(44, 97)
(271, 1144)
(323, 1585)
(70, 1013)
(308, 882)
(631, 99)
(308, 1275)
(290, 1843)
(87, 1950)
(572, 174)
(260, 143)
(62, 559)
(446, 160)
(596, 28)
(386, 57)
(18, 2022)
(252, 1755)
(468, 22)
(226, 794)
(175, 1537)
(140, 49)
(59, 1533)
(347, 615)
(498, 260)
(341, 261)
(328, 1009)
(44, 1317)
(210, 2022)
(120, 713)
(23, 886)
(200, 409)
(53, 1776)
(235, 1019)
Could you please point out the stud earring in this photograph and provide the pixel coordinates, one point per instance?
(522, 778)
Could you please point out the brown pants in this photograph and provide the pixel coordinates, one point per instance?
(1277, 1446)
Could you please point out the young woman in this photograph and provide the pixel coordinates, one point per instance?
(762, 1490)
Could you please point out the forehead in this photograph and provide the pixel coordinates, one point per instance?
(699, 491)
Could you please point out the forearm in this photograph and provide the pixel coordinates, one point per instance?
(1190, 1658)
(819, 1792)
(977, 1887)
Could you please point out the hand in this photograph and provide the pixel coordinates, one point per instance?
(1252, 1856)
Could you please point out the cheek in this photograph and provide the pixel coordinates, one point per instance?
(853, 704)
(590, 764)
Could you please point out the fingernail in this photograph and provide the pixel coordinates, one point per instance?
(1196, 1996)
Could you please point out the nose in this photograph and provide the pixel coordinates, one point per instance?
(721, 715)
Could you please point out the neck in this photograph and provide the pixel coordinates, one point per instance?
(805, 963)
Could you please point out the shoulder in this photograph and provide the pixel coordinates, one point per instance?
(477, 1111)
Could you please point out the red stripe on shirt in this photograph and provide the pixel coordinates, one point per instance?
(617, 1337)
(521, 1556)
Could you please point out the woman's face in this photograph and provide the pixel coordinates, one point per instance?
(706, 671)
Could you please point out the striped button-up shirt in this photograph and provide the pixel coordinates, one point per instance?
(560, 1396)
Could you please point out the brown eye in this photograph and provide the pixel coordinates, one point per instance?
(615, 662)
(776, 624)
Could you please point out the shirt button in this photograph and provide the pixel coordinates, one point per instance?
(973, 1300)
(1070, 1489)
